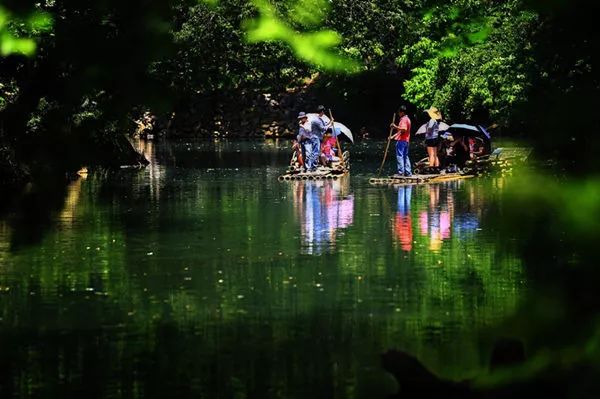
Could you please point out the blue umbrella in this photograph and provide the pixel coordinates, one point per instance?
(485, 132)
(469, 130)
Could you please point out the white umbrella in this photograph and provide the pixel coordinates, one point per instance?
(338, 127)
(341, 128)
(423, 129)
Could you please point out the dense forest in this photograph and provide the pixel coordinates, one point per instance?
(74, 75)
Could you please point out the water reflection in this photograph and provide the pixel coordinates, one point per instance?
(67, 215)
(435, 222)
(402, 222)
(323, 208)
(155, 172)
(200, 275)
(436, 218)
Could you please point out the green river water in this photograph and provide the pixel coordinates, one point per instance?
(202, 276)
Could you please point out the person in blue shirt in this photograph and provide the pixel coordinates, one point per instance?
(319, 126)
(310, 143)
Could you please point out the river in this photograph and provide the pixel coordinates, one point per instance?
(204, 276)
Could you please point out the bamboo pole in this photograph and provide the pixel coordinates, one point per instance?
(387, 147)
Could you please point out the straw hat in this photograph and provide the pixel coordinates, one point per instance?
(434, 113)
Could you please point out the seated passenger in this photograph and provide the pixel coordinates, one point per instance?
(297, 149)
(476, 148)
(460, 151)
(328, 149)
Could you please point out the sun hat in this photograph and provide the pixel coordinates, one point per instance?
(434, 113)
(302, 115)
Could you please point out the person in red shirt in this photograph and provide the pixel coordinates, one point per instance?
(402, 137)
(328, 149)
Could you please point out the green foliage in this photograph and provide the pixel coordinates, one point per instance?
(482, 63)
(8, 92)
(17, 34)
(308, 13)
(314, 47)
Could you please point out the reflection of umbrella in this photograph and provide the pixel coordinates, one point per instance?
(423, 129)
(469, 131)
(339, 127)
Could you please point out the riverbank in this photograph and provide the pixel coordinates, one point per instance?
(26, 162)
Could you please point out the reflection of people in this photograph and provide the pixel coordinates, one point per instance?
(322, 211)
(435, 222)
(432, 136)
(403, 222)
(402, 137)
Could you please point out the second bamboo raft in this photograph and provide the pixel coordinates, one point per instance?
(418, 179)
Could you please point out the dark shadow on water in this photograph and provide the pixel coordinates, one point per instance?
(30, 212)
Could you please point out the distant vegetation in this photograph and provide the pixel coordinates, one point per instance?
(76, 73)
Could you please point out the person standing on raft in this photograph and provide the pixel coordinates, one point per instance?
(309, 141)
(432, 138)
(320, 125)
(402, 137)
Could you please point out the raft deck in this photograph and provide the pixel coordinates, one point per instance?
(319, 174)
(418, 179)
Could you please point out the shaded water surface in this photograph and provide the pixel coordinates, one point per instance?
(203, 276)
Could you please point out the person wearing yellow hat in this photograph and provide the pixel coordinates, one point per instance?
(432, 137)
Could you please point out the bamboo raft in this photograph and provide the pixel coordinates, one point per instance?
(320, 174)
(337, 170)
(418, 179)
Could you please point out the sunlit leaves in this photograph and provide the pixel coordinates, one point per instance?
(480, 35)
(309, 13)
(315, 47)
(471, 57)
(39, 22)
(16, 34)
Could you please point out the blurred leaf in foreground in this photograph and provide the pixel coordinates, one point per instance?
(17, 34)
(314, 47)
(14, 45)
